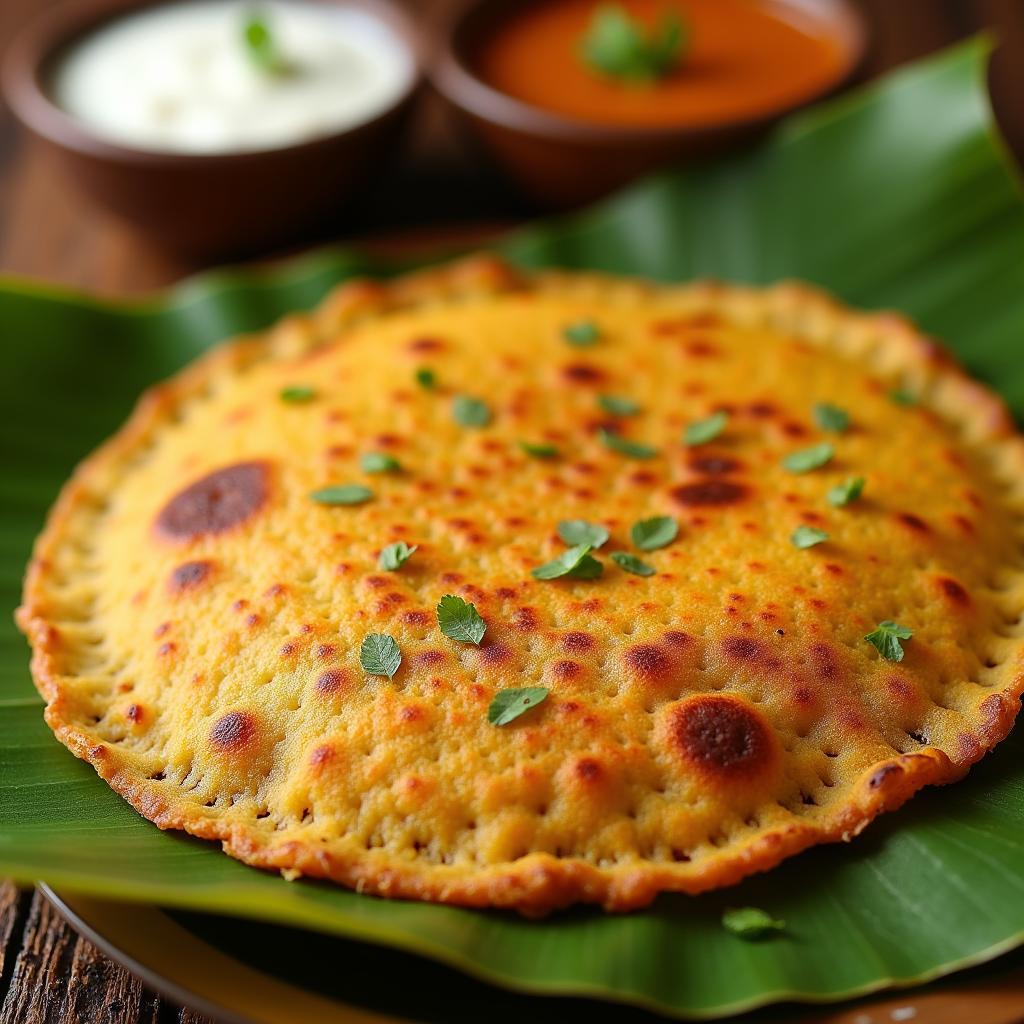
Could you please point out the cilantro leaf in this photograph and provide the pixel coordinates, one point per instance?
(654, 533)
(579, 531)
(886, 637)
(831, 417)
(379, 655)
(296, 394)
(342, 494)
(808, 536)
(471, 412)
(262, 47)
(751, 923)
(619, 46)
(589, 568)
(509, 704)
(582, 334)
(426, 378)
(702, 431)
(575, 562)
(633, 449)
(379, 462)
(807, 459)
(539, 451)
(624, 560)
(460, 620)
(394, 556)
(616, 405)
(901, 396)
(847, 492)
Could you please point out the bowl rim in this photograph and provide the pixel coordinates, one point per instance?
(452, 76)
(27, 57)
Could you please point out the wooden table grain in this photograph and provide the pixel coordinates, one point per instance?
(49, 974)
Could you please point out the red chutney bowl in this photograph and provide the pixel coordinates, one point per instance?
(567, 135)
(204, 204)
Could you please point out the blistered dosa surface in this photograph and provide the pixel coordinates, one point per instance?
(197, 617)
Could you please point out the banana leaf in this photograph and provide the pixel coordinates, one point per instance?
(897, 196)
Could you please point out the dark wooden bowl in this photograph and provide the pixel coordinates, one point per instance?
(561, 161)
(203, 205)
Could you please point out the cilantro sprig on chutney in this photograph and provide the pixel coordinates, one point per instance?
(623, 48)
(262, 47)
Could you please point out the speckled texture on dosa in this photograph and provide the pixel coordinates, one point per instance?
(196, 618)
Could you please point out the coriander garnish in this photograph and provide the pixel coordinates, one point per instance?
(379, 462)
(460, 620)
(901, 396)
(847, 492)
(471, 412)
(296, 394)
(579, 531)
(886, 637)
(575, 563)
(633, 449)
(622, 47)
(262, 47)
(751, 923)
(616, 405)
(624, 560)
(379, 655)
(808, 537)
(426, 378)
(654, 533)
(342, 494)
(807, 459)
(582, 334)
(701, 431)
(394, 556)
(509, 704)
(539, 451)
(831, 417)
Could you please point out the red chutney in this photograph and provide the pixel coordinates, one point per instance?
(744, 60)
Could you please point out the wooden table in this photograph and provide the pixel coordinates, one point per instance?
(47, 972)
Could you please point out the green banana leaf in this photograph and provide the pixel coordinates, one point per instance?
(897, 196)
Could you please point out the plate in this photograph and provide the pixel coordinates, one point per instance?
(240, 972)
